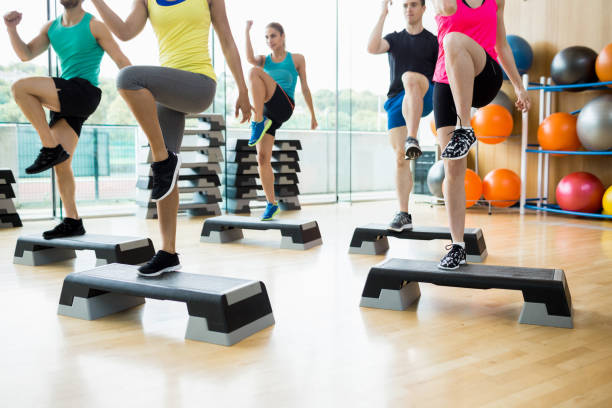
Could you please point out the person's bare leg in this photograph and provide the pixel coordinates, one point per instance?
(266, 173)
(464, 59)
(167, 210)
(454, 187)
(32, 94)
(262, 88)
(142, 104)
(403, 176)
(66, 136)
(415, 88)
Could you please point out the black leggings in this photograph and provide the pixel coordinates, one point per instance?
(486, 86)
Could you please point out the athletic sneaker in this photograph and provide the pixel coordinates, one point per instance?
(47, 158)
(165, 174)
(401, 221)
(270, 212)
(258, 130)
(69, 227)
(161, 262)
(460, 144)
(455, 257)
(413, 150)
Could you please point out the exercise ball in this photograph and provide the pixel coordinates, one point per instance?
(581, 192)
(473, 188)
(523, 54)
(603, 65)
(435, 177)
(432, 125)
(558, 132)
(574, 65)
(606, 202)
(492, 124)
(504, 100)
(595, 124)
(502, 187)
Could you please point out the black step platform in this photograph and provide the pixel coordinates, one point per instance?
(215, 120)
(251, 157)
(184, 180)
(6, 176)
(221, 310)
(34, 250)
(251, 168)
(252, 181)
(393, 285)
(372, 239)
(6, 191)
(279, 145)
(10, 221)
(296, 234)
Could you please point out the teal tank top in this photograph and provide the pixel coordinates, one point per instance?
(78, 51)
(284, 73)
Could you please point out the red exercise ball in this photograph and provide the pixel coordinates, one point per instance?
(558, 132)
(603, 64)
(502, 187)
(492, 124)
(581, 192)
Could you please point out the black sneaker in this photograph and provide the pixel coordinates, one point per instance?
(401, 221)
(413, 150)
(460, 144)
(69, 227)
(161, 262)
(47, 158)
(455, 257)
(165, 174)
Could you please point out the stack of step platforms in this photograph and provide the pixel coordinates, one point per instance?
(8, 213)
(242, 178)
(201, 157)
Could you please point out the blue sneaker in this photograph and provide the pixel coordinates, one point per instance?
(258, 130)
(270, 212)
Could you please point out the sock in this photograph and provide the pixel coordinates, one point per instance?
(466, 127)
(404, 213)
(461, 244)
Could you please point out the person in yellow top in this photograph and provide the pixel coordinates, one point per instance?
(160, 97)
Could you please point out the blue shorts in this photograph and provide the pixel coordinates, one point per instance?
(393, 106)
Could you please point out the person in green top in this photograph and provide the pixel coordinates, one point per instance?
(79, 41)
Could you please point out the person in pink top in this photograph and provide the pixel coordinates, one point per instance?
(473, 45)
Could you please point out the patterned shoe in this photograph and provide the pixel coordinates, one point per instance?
(270, 212)
(258, 130)
(413, 150)
(455, 257)
(460, 144)
(401, 221)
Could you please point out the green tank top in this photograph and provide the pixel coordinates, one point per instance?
(78, 51)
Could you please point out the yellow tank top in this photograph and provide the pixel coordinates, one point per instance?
(182, 28)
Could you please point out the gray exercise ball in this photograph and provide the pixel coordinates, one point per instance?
(435, 177)
(595, 124)
(504, 100)
(574, 65)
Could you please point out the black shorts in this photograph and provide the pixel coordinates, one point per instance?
(486, 86)
(279, 108)
(78, 100)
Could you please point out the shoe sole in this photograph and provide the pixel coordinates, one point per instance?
(174, 179)
(404, 227)
(50, 166)
(65, 236)
(160, 272)
(444, 268)
(263, 133)
(459, 157)
(272, 216)
(413, 153)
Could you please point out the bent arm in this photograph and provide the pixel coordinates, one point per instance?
(301, 69)
(257, 60)
(133, 24)
(376, 43)
(34, 48)
(445, 7)
(108, 44)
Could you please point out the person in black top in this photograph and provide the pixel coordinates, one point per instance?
(413, 53)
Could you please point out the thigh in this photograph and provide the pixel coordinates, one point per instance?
(445, 113)
(488, 83)
(42, 88)
(269, 83)
(397, 138)
(415, 79)
(475, 50)
(172, 125)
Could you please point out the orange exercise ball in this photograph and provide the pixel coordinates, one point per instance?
(603, 64)
(502, 187)
(492, 124)
(432, 124)
(558, 132)
(473, 188)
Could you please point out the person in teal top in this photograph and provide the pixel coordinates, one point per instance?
(273, 80)
(79, 41)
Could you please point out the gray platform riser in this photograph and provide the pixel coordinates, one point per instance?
(44, 257)
(99, 306)
(536, 313)
(221, 237)
(197, 329)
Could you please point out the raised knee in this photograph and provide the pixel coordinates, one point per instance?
(17, 89)
(254, 73)
(128, 79)
(452, 42)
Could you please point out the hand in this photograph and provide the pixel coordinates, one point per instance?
(523, 103)
(249, 24)
(385, 6)
(243, 105)
(12, 18)
(313, 123)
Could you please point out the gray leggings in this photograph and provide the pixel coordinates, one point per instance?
(176, 92)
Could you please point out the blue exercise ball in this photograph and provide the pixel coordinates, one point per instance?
(523, 54)
(574, 65)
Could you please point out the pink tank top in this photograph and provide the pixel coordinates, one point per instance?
(480, 24)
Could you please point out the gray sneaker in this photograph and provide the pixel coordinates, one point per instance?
(413, 150)
(401, 221)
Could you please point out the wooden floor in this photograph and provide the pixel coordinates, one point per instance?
(455, 348)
